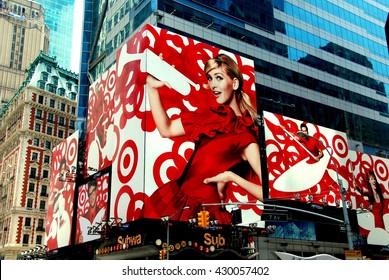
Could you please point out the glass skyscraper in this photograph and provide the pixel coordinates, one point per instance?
(59, 17)
(325, 62)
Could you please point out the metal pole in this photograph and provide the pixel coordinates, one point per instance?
(167, 242)
(342, 195)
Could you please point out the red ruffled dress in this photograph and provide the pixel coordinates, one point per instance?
(220, 137)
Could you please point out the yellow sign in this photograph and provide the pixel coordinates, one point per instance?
(353, 254)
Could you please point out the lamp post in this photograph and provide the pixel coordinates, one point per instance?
(166, 219)
(342, 196)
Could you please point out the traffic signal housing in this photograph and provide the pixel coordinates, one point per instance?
(163, 254)
(203, 219)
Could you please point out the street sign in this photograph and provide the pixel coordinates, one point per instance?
(273, 216)
(353, 254)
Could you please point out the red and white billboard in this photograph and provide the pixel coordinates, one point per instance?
(123, 131)
(61, 194)
(297, 173)
(370, 181)
(92, 208)
(295, 170)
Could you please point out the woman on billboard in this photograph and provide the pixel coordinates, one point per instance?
(226, 146)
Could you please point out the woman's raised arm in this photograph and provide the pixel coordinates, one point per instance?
(166, 126)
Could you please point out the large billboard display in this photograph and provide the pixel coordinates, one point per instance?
(176, 120)
(92, 209)
(61, 194)
(370, 180)
(306, 165)
(306, 161)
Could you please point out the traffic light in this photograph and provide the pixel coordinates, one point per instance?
(203, 219)
(162, 254)
(206, 218)
(200, 219)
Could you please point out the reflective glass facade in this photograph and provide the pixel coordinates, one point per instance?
(59, 19)
(326, 62)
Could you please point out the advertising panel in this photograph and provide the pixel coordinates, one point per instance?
(297, 172)
(370, 179)
(61, 194)
(92, 208)
(305, 166)
(160, 115)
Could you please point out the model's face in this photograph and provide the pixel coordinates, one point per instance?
(222, 85)
(92, 196)
(304, 129)
(372, 180)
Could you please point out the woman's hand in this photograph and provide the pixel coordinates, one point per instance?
(221, 181)
(156, 84)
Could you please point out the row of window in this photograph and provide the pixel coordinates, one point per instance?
(49, 130)
(26, 239)
(44, 188)
(30, 203)
(34, 174)
(61, 106)
(37, 142)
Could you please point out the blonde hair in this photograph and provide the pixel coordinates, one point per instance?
(233, 71)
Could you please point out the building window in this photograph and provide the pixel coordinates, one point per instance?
(34, 156)
(48, 145)
(44, 76)
(72, 124)
(73, 95)
(69, 86)
(45, 174)
(49, 130)
(54, 80)
(29, 202)
(50, 118)
(26, 237)
(27, 222)
(31, 187)
(73, 110)
(52, 103)
(61, 121)
(41, 84)
(33, 173)
(61, 92)
(60, 133)
(51, 88)
(40, 225)
(42, 205)
(36, 142)
(44, 190)
(46, 159)
(40, 99)
(63, 107)
(38, 127)
(38, 114)
(39, 239)
(48, 68)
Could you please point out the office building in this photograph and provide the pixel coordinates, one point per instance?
(24, 35)
(39, 115)
(60, 20)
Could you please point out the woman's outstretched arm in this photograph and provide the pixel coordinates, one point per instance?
(166, 126)
(251, 154)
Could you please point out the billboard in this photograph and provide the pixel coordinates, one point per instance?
(370, 180)
(61, 194)
(92, 209)
(299, 172)
(305, 166)
(172, 172)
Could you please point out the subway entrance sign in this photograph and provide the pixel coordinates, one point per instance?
(274, 216)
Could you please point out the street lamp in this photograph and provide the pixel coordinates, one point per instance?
(342, 195)
(166, 219)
